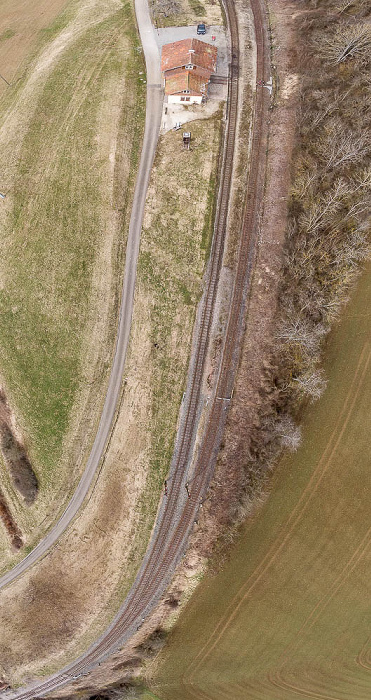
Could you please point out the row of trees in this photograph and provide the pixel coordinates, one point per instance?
(329, 218)
(328, 236)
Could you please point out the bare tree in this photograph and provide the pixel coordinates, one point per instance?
(302, 333)
(344, 6)
(322, 209)
(312, 383)
(348, 40)
(288, 432)
(344, 147)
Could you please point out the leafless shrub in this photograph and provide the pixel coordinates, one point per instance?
(303, 183)
(299, 332)
(354, 250)
(344, 6)
(321, 210)
(152, 643)
(359, 7)
(165, 8)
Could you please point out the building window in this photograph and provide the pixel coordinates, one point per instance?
(187, 99)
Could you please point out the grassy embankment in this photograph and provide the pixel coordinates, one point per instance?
(175, 247)
(68, 139)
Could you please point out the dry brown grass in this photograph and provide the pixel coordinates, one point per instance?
(176, 13)
(95, 561)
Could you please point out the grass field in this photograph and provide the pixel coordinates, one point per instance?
(85, 579)
(175, 246)
(70, 133)
(288, 616)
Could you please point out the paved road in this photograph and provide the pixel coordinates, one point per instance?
(152, 129)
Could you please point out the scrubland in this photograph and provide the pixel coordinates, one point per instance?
(178, 13)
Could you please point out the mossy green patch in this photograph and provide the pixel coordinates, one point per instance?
(7, 34)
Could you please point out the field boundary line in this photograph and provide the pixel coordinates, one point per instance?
(364, 651)
(295, 515)
(326, 599)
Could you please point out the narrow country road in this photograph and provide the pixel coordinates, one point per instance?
(152, 130)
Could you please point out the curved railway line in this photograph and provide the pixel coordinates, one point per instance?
(178, 511)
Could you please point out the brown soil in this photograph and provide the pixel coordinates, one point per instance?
(15, 456)
(20, 25)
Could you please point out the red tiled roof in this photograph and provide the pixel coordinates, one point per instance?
(183, 80)
(182, 53)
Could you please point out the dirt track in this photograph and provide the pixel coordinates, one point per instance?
(176, 518)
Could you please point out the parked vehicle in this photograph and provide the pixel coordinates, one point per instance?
(201, 28)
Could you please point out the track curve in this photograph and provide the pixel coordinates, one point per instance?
(176, 517)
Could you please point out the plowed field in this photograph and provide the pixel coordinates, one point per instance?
(20, 25)
(288, 616)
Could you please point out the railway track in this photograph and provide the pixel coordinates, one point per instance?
(178, 510)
